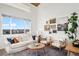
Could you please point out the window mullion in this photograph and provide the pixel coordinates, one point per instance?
(10, 26)
(24, 27)
(1, 31)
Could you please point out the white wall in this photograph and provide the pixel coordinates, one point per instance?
(8, 10)
(34, 20)
(58, 10)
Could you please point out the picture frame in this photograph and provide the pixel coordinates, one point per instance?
(46, 27)
(54, 31)
(61, 27)
(52, 21)
(47, 22)
(53, 27)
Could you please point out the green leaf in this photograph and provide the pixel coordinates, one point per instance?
(71, 37)
(74, 25)
(72, 30)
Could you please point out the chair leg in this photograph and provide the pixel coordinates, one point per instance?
(44, 51)
(68, 53)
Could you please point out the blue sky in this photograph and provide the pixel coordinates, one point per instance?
(19, 24)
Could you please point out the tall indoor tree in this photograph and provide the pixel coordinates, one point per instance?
(71, 28)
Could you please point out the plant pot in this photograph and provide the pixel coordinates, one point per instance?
(71, 40)
(76, 43)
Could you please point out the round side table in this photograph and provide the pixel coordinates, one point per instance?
(36, 47)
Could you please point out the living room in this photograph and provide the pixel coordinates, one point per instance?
(40, 22)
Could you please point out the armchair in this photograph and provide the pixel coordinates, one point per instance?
(59, 44)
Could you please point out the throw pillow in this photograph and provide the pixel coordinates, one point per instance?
(10, 40)
(15, 40)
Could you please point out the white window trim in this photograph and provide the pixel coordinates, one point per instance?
(11, 27)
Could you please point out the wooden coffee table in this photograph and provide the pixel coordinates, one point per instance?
(36, 47)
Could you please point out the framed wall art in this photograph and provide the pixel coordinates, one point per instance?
(53, 27)
(61, 27)
(54, 31)
(52, 21)
(46, 27)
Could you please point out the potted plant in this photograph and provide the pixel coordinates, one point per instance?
(72, 25)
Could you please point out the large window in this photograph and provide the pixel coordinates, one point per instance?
(15, 26)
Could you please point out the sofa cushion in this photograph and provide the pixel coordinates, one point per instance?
(20, 38)
(20, 44)
(29, 36)
(56, 44)
(24, 38)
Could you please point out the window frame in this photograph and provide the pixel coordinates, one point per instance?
(11, 18)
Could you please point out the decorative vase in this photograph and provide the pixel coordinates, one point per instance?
(39, 38)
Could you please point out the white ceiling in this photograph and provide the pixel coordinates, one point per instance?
(20, 6)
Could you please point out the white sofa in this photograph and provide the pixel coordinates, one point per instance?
(24, 41)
